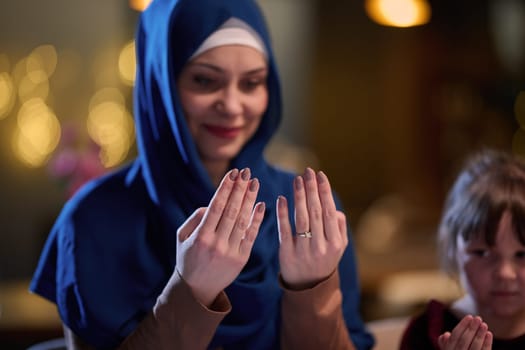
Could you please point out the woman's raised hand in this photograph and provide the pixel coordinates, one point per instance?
(313, 253)
(471, 333)
(215, 242)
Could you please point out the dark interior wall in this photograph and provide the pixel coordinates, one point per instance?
(395, 110)
(364, 111)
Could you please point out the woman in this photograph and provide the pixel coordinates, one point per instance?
(192, 245)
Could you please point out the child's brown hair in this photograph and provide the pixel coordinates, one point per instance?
(490, 183)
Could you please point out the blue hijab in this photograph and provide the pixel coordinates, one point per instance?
(113, 247)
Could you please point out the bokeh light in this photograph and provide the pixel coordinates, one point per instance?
(19, 71)
(126, 64)
(139, 5)
(33, 85)
(111, 126)
(37, 133)
(399, 13)
(43, 58)
(7, 94)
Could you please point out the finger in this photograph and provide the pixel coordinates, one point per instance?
(301, 211)
(479, 336)
(191, 223)
(487, 343)
(313, 203)
(442, 340)
(283, 224)
(218, 202)
(302, 222)
(462, 334)
(246, 243)
(343, 227)
(329, 210)
(233, 206)
(243, 219)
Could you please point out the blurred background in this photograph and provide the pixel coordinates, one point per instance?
(387, 97)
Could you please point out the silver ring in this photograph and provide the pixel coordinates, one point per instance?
(305, 234)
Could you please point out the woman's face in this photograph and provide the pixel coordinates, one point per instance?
(495, 276)
(224, 95)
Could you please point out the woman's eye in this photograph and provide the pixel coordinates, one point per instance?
(252, 84)
(202, 80)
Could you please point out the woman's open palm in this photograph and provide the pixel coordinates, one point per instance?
(314, 252)
(215, 242)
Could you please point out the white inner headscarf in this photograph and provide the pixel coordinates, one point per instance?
(233, 32)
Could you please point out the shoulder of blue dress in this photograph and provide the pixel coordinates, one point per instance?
(118, 189)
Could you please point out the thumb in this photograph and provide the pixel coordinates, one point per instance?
(191, 223)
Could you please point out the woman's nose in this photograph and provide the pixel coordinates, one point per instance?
(230, 102)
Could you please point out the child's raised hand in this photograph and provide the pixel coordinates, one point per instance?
(471, 333)
(214, 243)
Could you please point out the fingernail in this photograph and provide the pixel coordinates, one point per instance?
(261, 207)
(321, 177)
(233, 174)
(308, 173)
(298, 183)
(254, 185)
(281, 201)
(245, 174)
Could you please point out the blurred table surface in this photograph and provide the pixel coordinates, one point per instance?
(25, 318)
(399, 280)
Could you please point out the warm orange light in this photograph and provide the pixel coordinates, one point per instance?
(398, 13)
(139, 5)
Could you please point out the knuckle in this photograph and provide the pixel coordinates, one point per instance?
(330, 214)
(316, 213)
(202, 244)
(217, 251)
(218, 208)
(324, 189)
(231, 212)
(242, 223)
(319, 252)
(337, 246)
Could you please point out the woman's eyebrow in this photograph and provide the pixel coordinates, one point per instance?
(207, 65)
(220, 70)
(256, 70)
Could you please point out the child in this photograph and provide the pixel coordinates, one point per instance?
(482, 243)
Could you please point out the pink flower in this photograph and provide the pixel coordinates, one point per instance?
(73, 165)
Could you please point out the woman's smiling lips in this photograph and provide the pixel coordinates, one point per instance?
(223, 132)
